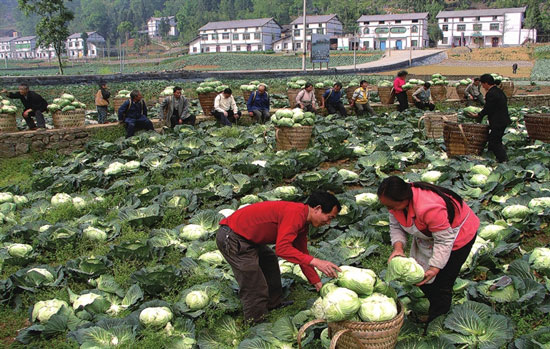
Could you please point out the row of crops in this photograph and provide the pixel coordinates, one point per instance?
(114, 245)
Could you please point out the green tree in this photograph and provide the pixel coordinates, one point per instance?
(164, 27)
(124, 29)
(84, 37)
(435, 34)
(52, 28)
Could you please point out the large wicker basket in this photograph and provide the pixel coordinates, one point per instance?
(293, 137)
(465, 139)
(460, 89)
(434, 121)
(410, 92)
(319, 92)
(68, 119)
(361, 335)
(8, 123)
(439, 92)
(349, 92)
(538, 126)
(291, 93)
(207, 102)
(117, 103)
(508, 88)
(385, 94)
(246, 95)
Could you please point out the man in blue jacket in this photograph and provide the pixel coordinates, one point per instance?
(332, 100)
(258, 105)
(133, 112)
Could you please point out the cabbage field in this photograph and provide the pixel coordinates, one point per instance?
(114, 245)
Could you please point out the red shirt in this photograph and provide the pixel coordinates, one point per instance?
(398, 83)
(281, 223)
(430, 215)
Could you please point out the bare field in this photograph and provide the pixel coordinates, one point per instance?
(471, 68)
(521, 53)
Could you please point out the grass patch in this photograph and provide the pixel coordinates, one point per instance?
(16, 171)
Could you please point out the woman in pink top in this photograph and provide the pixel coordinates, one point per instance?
(399, 92)
(443, 227)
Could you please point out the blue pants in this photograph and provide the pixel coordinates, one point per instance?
(133, 125)
(101, 114)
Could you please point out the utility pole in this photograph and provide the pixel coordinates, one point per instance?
(304, 43)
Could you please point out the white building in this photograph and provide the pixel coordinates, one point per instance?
(396, 31)
(7, 48)
(75, 45)
(484, 28)
(236, 36)
(153, 25)
(43, 52)
(323, 24)
(24, 47)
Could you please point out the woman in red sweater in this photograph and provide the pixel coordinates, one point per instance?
(399, 92)
(243, 238)
(443, 229)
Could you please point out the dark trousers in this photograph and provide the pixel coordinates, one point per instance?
(101, 114)
(175, 120)
(307, 107)
(403, 101)
(256, 270)
(424, 105)
(39, 119)
(261, 116)
(495, 143)
(336, 108)
(133, 125)
(226, 120)
(363, 109)
(440, 292)
(479, 99)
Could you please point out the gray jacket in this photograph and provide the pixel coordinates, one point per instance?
(170, 103)
(472, 90)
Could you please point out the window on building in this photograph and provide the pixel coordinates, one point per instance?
(445, 19)
(320, 31)
(366, 31)
(495, 18)
(414, 29)
(478, 18)
(207, 49)
(414, 43)
(228, 48)
(194, 49)
(285, 46)
(295, 25)
(445, 40)
(462, 19)
(259, 47)
(366, 44)
(225, 36)
(415, 20)
(397, 21)
(298, 45)
(477, 27)
(309, 31)
(238, 48)
(381, 22)
(214, 36)
(382, 30)
(235, 36)
(297, 32)
(256, 36)
(366, 23)
(204, 37)
(398, 30)
(494, 26)
(246, 36)
(461, 27)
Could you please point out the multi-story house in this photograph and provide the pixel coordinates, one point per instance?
(324, 24)
(484, 28)
(236, 36)
(75, 45)
(7, 48)
(395, 31)
(25, 47)
(154, 23)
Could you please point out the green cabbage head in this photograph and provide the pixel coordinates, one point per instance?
(340, 304)
(540, 258)
(406, 270)
(196, 300)
(19, 250)
(377, 307)
(44, 310)
(366, 199)
(516, 211)
(155, 316)
(493, 232)
(358, 280)
(430, 176)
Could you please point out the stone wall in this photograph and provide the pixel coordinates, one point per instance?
(63, 140)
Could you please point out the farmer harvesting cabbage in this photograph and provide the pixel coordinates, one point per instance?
(33, 103)
(443, 229)
(243, 238)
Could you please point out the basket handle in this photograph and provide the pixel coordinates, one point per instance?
(339, 334)
(276, 134)
(305, 327)
(463, 135)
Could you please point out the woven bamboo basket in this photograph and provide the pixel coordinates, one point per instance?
(293, 137)
(291, 93)
(508, 88)
(410, 95)
(117, 103)
(538, 126)
(68, 119)
(361, 335)
(162, 98)
(246, 95)
(207, 102)
(8, 123)
(460, 91)
(439, 93)
(384, 92)
(434, 121)
(465, 139)
(319, 92)
(349, 92)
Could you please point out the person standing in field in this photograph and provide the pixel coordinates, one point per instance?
(133, 113)
(472, 93)
(175, 109)
(332, 100)
(258, 105)
(360, 99)
(496, 109)
(243, 240)
(400, 93)
(306, 98)
(33, 104)
(102, 101)
(423, 97)
(225, 108)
